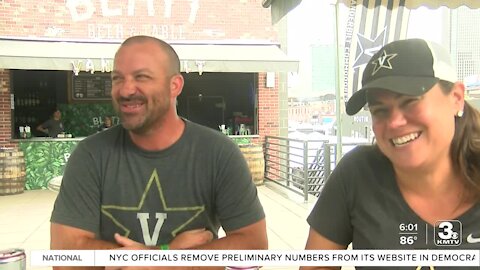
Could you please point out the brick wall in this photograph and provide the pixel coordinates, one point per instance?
(5, 115)
(109, 19)
(268, 107)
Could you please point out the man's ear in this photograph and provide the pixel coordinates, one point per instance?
(458, 95)
(176, 85)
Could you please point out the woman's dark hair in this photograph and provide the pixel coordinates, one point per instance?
(465, 148)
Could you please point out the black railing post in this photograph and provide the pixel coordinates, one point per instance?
(288, 169)
(266, 157)
(328, 162)
(305, 170)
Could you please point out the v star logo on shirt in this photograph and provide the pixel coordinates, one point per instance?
(153, 188)
(472, 240)
(383, 62)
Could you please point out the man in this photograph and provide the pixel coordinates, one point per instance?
(157, 179)
(52, 126)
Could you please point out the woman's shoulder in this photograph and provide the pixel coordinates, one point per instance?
(105, 138)
(364, 160)
(365, 153)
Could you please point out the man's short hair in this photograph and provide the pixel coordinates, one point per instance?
(172, 55)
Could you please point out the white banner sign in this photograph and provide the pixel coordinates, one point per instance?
(255, 258)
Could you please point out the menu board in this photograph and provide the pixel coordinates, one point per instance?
(87, 86)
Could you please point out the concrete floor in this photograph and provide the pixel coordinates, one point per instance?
(24, 221)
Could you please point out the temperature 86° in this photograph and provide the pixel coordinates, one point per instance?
(408, 240)
(408, 227)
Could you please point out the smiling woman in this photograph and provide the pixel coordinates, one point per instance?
(423, 173)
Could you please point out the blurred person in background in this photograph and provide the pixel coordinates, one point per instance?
(107, 123)
(52, 126)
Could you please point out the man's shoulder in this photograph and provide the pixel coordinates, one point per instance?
(104, 139)
(203, 132)
(199, 128)
(208, 139)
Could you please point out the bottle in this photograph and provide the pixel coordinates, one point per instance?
(28, 133)
(21, 130)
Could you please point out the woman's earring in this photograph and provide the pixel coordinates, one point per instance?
(460, 113)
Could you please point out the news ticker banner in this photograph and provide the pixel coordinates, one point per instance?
(243, 258)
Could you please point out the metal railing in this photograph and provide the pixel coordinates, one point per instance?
(301, 166)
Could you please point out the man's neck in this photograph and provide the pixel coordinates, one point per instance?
(162, 136)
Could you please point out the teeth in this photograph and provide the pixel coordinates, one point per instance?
(132, 105)
(405, 139)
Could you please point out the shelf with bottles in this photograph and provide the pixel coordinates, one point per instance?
(23, 119)
(29, 100)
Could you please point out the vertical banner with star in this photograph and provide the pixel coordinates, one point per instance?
(371, 24)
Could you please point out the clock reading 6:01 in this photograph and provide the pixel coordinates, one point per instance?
(408, 227)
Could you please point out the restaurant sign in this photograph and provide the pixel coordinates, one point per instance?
(81, 10)
(88, 65)
(84, 10)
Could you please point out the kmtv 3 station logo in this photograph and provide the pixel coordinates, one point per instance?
(448, 233)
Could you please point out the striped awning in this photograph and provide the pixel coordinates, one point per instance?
(426, 3)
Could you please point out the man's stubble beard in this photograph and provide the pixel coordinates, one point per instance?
(148, 120)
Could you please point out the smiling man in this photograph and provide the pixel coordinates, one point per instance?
(156, 180)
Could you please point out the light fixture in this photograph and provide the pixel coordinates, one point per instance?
(76, 66)
(105, 65)
(200, 65)
(89, 66)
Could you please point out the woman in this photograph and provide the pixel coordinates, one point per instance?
(420, 183)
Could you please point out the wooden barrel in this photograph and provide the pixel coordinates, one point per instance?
(256, 163)
(12, 171)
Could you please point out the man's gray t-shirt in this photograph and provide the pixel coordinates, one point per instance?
(362, 204)
(201, 181)
(54, 127)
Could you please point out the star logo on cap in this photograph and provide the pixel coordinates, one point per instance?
(383, 62)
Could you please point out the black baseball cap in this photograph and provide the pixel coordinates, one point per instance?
(408, 67)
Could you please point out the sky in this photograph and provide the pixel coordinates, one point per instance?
(313, 22)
